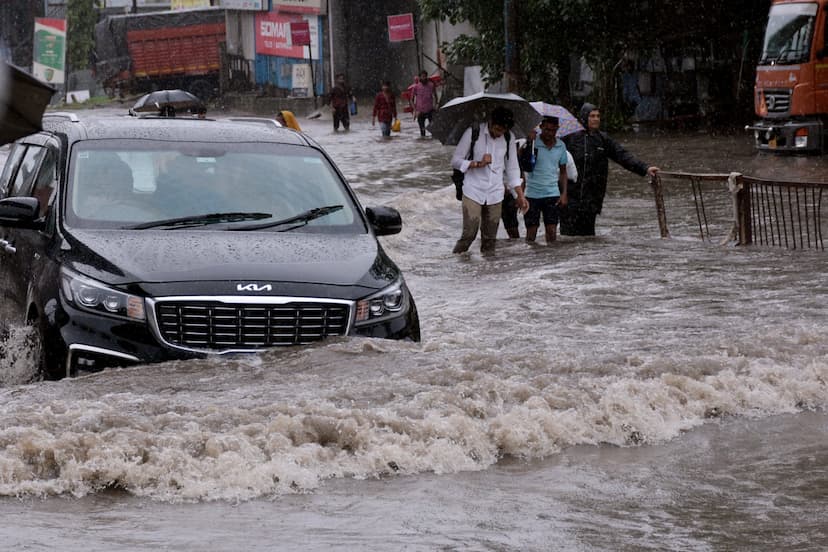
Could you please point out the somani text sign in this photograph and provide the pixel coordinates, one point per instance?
(401, 27)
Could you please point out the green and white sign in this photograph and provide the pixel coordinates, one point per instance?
(50, 50)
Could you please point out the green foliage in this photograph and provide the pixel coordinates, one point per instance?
(602, 32)
(82, 16)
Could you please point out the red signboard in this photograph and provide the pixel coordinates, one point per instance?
(274, 36)
(300, 33)
(401, 27)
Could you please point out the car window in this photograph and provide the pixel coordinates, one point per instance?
(12, 164)
(25, 177)
(44, 186)
(124, 183)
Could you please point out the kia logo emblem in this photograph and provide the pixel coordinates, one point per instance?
(254, 287)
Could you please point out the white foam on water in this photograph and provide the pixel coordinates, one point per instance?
(285, 422)
(18, 357)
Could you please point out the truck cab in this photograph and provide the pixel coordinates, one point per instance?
(791, 91)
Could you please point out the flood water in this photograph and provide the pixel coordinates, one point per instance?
(621, 392)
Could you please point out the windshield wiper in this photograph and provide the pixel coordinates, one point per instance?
(301, 219)
(201, 220)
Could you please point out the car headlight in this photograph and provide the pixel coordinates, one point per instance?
(88, 294)
(387, 303)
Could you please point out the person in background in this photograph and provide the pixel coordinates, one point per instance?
(485, 173)
(509, 212)
(288, 120)
(592, 149)
(546, 183)
(340, 98)
(424, 100)
(385, 109)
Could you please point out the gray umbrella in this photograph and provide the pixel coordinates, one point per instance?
(460, 113)
(23, 98)
(179, 100)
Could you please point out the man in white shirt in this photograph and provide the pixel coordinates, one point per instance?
(493, 162)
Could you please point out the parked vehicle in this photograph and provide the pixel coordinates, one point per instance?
(791, 92)
(130, 240)
(173, 49)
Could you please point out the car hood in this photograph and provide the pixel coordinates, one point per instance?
(124, 256)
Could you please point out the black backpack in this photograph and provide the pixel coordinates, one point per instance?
(457, 176)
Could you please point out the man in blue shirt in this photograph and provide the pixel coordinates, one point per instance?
(546, 184)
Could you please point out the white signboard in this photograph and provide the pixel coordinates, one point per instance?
(254, 5)
(139, 3)
(301, 82)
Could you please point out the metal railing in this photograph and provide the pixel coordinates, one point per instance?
(765, 212)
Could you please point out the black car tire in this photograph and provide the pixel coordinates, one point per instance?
(36, 342)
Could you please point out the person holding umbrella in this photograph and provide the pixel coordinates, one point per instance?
(485, 164)
(592, 150)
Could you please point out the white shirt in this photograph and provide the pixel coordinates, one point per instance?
(484, 185)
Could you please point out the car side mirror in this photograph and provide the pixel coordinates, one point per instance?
(20, 212)
(384, 220)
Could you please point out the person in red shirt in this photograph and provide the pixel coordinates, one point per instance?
(385, 109)
(424, 100)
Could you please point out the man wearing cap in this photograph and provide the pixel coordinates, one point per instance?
(546, 183)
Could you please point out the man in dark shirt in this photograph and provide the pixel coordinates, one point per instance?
(592, 149)
(340, 97)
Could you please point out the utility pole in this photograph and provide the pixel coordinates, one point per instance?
(512, 72)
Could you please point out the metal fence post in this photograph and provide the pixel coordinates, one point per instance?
(658, 193)
(744, 219)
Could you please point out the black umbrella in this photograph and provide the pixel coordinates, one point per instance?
(452, 120)
(23, 99)
(163, 100)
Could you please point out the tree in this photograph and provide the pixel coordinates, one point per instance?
(602, 33)
(82, 16)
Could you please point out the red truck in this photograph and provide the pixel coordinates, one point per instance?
(791, 91)
(152, 51)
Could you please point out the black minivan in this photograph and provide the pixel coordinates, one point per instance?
(133, 240)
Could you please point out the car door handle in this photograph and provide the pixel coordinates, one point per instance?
(7, 247)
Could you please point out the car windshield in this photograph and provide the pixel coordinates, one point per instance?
(788, 35)
(141, 185)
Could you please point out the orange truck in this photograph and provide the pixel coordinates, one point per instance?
(173, 49)
(791, 91)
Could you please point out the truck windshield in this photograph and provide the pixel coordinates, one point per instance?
(789, 33)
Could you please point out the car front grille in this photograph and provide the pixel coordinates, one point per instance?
(216, 325)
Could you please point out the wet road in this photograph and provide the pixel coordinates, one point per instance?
(615, 393)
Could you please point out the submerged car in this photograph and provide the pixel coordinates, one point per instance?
(135, 240)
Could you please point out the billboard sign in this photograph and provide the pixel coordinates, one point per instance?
(301, 81)
(300, 33)
(298, 6)
(50, 50)
(273, 35)
(255, 5)
(401, 27)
